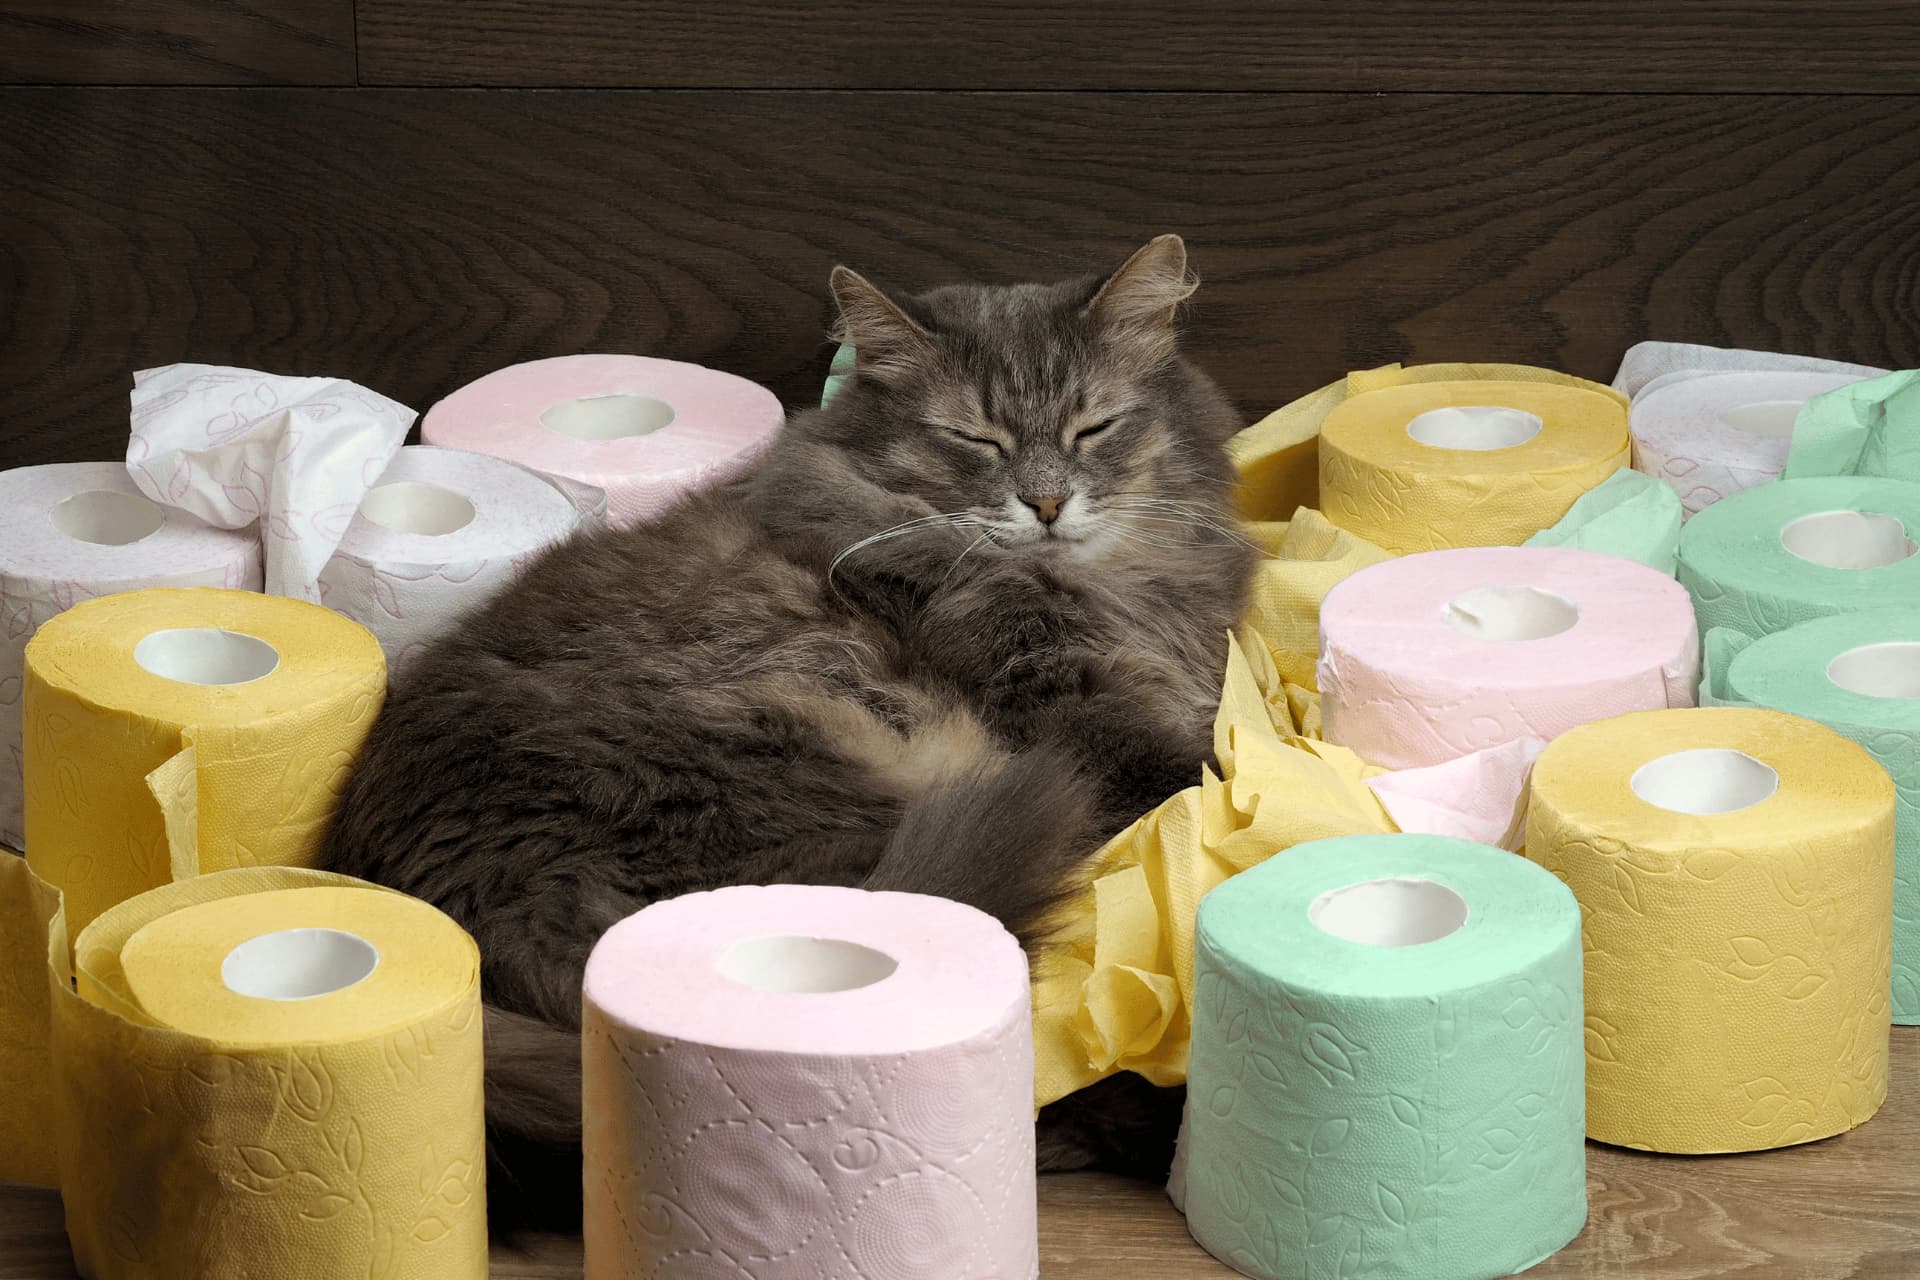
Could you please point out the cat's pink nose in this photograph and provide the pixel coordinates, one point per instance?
(1047, 506)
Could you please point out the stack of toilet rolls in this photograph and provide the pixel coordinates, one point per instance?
(1734, 869)
(74, 531)
(1434, 656)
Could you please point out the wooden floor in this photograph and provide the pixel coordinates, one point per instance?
(1845, 1208)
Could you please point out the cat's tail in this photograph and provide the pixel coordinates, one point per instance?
(533, 1123)
(1009, 834)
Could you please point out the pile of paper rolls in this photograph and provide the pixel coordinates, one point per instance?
(1744, 871)
(226, 1060)
(1398, 1037)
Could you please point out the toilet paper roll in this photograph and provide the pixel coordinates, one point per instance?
(1858, 674)
(288, 457)
(842, 368)
(270, 1072)
(75, 530)
(1428, 466)
(174, 732)
(1735, 871)
(1785, 552)
(440, 534)
(1386, 1071)
(798, 1081)
(1712, 435)
(647, 431)
(27, 903)
(1430, 657)
(1646, 361)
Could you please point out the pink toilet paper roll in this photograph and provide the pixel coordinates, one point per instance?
(793, 1081)
(1432, 656)
(647, 431)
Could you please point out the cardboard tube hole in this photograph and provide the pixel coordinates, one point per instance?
(1703, 782)
(799, 964)
(1848, 539)
(1393, 911)
(1773, 419)
(613, 417)
(407, 506)
(1511, 613)
(1479, 427)
(298, 964)
(206, 655)
(108, 518)
(1879, 670)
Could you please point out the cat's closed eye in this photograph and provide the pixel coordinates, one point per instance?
(1087, 433)
(986, 442)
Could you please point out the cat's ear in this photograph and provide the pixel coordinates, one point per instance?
(1142, 296)
(883, 336)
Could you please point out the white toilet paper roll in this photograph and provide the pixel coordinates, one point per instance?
(1710, 435)
(1645, 362)
(71, 531)
(439, 534)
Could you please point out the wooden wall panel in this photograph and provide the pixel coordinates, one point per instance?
(289, 42)
(1720, 46)
(413, 240)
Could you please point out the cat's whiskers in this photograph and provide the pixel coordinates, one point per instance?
(984, 537)
(955, 519)
(1167, 511)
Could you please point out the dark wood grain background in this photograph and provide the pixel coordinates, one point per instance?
(410, 193)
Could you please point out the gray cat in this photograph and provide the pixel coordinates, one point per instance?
(955, 631)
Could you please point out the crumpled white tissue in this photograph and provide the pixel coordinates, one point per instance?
(237, 446)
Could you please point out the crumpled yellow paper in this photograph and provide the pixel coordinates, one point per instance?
(1113, 994)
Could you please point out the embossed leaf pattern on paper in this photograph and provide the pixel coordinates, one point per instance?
(304, 1163)
(1367, 1165)
(1767, 937)
(704, 1162)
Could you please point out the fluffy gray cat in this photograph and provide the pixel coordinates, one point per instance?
(955, 631)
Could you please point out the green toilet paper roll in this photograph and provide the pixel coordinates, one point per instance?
(1783, 553)
(1858, 674)
(1388, 1073)
(837, 373)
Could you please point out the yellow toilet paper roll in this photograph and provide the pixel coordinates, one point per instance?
(270, 1072)
(171, 732)
(26, 905)
(1735, 871)
(1428, 466)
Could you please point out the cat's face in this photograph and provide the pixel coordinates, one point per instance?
(1051, 418)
